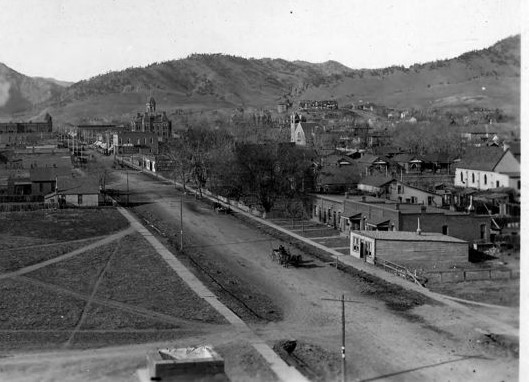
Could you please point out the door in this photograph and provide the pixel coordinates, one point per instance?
(362, 250)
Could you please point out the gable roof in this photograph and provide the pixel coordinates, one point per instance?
(403, 158)
(439, 158)
(368, 158)
(414, 187)
(47, 174)
(67, 185)
(481, 158)
(375, 181)
(309, 127)
(337, 175)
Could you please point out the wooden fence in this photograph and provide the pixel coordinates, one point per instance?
(458, 275)
(401, 271)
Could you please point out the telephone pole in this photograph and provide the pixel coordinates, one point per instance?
(181, 222)
(343, 301)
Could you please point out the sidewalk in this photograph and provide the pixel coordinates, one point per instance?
(283, 371)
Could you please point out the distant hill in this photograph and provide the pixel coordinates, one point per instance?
(20, 94)
(485, 78)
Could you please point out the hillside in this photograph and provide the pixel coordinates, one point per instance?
(20, 94)
(486, 78)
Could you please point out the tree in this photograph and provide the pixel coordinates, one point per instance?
(178, 152)
(270, 171)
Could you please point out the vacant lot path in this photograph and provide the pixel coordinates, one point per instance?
(106, 240)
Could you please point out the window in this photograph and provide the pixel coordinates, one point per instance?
(461, 174)
(41, 187)
(430, 200)
(485, 179)
(519, 184)
(445, 230)
(400, 189)
(80, 199)
(356, 244)
(368, 249)
(473, 178)
(497, 184)
(414, 199)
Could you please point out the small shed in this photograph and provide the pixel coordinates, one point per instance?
(404, 247)
(80, 191)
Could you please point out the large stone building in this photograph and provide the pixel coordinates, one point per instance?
(152, 122)
(20, 133)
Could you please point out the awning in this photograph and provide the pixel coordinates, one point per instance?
(378, 223)
(355, 216)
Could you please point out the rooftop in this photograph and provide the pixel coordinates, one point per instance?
(409, 236)
(481, 158)
(375, 181)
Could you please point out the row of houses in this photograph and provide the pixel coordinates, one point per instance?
(481, 168)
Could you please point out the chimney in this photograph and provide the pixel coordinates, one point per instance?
(419, 226)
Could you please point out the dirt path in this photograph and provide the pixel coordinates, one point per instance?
(66, 256)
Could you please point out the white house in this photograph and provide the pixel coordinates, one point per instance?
(488, 167)
(404, 193)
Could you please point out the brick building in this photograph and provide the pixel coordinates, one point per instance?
(152, 122)
(135, 142)
(347, 213)
(12, 133)
(409, 247)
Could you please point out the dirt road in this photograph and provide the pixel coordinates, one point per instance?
(381, 343)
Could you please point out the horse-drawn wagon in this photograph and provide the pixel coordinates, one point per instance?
(284, 257)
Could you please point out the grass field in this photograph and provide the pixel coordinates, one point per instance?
(21, 228)
(14, 259)
(138, 275)
(78, 274)
(25, 306)
(119, 293)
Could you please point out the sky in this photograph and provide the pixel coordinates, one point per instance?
(73, 40)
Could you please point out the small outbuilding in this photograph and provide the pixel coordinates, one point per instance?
(404, 247)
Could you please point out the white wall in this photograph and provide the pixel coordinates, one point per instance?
(88, 200)
(493, 179)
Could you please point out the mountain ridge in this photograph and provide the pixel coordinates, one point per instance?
(487, 77)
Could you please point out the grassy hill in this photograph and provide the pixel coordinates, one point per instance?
(20, 94)
(205, 82)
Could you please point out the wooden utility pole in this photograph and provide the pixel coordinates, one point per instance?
(343, 301)
(182, 222)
